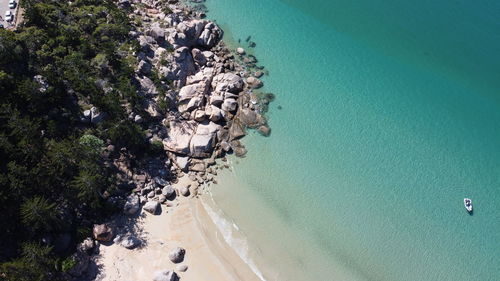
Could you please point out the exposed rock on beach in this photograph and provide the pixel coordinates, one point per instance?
(198, 99)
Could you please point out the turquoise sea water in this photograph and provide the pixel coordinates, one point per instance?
(390, 117)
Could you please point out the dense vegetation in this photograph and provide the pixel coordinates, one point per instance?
(52, 174)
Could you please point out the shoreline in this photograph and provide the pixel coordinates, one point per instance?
(211, 97)
(187, 224)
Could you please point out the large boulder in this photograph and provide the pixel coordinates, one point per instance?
(254, 82)
(204, 139)
(237, 130)
(183, 65)
(177, 255)
(210, 36)
(102, 232)
(156, 31)
(191, 104)
(152, 207)
(227, 82)
(182, 162)
(165, 275)
(196, 33)
(132, 205)
(130, 242)
(249, 117)
(179, 136)
(199, 57)
(213, 113)
(168, 191)
(229, 105)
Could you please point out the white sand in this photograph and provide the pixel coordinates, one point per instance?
(185, 225)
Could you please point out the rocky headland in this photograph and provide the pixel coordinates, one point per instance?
(199, 98)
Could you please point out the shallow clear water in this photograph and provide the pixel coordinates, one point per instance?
(390, 117)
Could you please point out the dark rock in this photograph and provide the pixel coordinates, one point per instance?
(132, 205)
(165, 275)
(168, 191)
(177, 255)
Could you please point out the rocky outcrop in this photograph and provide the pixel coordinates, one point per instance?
(204, 139)
(196, 33)
(168, 191)
(152, 207)
(130, 242)
(177, 255)
(227, 82)
(132, 205)
(102, 232)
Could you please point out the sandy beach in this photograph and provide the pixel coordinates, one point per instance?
(186, 225)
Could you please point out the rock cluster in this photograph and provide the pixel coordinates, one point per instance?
(198, 100)
(210, 94)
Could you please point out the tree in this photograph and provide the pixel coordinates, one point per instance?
(39, 215)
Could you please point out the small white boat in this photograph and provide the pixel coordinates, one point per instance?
(468, 204)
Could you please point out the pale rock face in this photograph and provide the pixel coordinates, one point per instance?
(227, 82)
(203, 141)
(102, 232)
(205, 75)
(151, 207)
(96, 117)
(167, 191)
(215, 114)
(160, 52)
(240, 51)
(189, 91)
(184, 191)
(182, 162)
(156, 31)
(182, 67)
(147, 85)
(208, 54)
(193, 103)
(179, 136)
(254, 82)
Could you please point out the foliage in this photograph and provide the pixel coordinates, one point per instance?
(52, 172)
(68, 264)
(39, 214)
